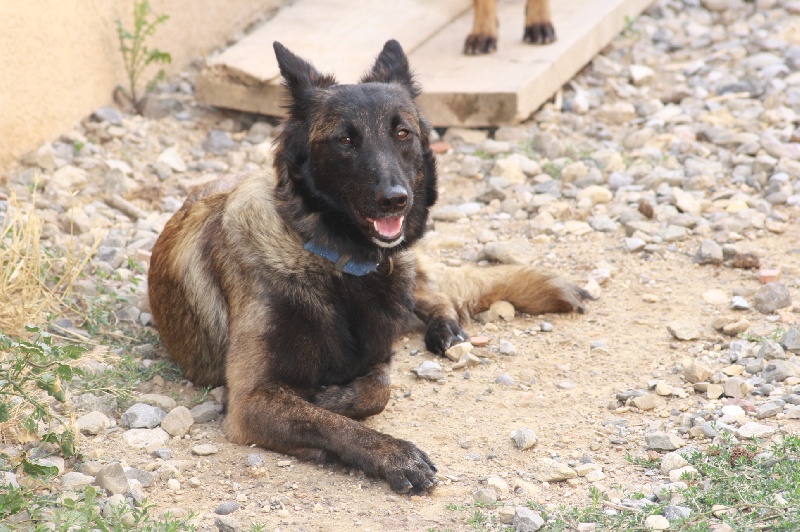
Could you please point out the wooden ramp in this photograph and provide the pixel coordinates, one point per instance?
(344, 36)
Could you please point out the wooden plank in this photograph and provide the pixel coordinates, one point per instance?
(509, 85)
(504, 87)
(338, 36)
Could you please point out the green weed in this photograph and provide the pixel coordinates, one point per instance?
(136, 55)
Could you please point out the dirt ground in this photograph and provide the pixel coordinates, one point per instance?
(463, 421)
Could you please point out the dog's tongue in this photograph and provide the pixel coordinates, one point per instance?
(388, 227)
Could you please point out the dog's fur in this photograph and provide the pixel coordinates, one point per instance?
(304, 348)
(483, 38)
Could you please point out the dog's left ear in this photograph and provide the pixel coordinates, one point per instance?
(391, 66)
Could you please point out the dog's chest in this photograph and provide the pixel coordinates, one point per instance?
(342, 325)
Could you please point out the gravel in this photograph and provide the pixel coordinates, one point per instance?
(656, 156)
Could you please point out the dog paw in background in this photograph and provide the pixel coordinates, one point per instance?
(483, 38)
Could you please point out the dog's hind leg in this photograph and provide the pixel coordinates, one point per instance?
(538, 23)
(363, 397)
(483, 39)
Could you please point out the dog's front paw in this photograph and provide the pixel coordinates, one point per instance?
(479, 43)
(406, 467)
(443, 333)
(539, 33)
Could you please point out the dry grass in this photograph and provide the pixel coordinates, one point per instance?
(34, 282)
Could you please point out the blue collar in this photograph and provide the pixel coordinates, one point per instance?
(343, 262)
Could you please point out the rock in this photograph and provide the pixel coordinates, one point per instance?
(506, 380)
(218, 142)
(93, 423)
(227, 508)
(455, 352)
(498, 485)
(634, 244)
(164, 454)
(771, 297)
(75, 481)
(254, 460)
(502, 252)
(506, 348)
(172, 160)
(753, 430)
(777, 371)
(430, 371)
(142, 416)
(204, 449)
(504, 310)
(676, 513)
(523, 438)
(671, 461)
(526, 520)
(682, 330)
(178, 421)
(735, 387)
(205, 412)
(709, 253)
(68, 178)
(740, 303)
(145, 438)
(737, 327)
(595, 194)
(226, 523)
(108, 114)
(656, 522)
(714, 391)
(661, 441)
(767, 410)
(683, 473)
(694, 372)
(791, 341)
(486, 496)
(549, 470)
(645, 402)
(770, 350)
(112, 478)
(161, 401)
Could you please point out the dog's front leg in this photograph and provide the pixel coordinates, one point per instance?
(278, 418)
(365, 396)
(439, 313)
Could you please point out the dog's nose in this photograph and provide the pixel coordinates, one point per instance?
(393, 199)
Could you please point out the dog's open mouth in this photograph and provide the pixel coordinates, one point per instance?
(387, 230)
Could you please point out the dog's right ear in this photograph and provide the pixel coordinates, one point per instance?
(300, 76)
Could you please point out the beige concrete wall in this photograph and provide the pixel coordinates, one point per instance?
(60, 59)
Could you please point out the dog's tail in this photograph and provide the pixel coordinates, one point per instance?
(473, 289)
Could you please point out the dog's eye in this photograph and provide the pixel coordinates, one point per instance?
(402, 134)
(345, 140)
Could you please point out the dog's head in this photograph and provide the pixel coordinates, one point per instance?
(357, 155)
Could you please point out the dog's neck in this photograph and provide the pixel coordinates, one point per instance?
(344, 262)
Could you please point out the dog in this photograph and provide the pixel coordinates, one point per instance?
(483, 39)
(291, 293)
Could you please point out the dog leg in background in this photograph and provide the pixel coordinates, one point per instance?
(538, 23)
(446, 297)
(483, 39)
(363, 397)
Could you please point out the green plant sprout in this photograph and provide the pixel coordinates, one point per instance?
(136, 55)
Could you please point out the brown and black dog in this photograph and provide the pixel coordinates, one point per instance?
(291, 291)
(483, 39)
